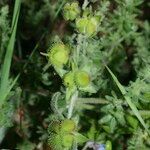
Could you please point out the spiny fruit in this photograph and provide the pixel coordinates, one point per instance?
(69, 79)
(58, 54)
(68, 125)
(61, 134)
(71, 11)
(67, 140)
(54, 127)
(82, 79)
(55, 141)
(61, 141)
(81, 24)
(87, 25)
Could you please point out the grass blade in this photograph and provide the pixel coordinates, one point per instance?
(128, 99)
(9, 52)
(9, 88)
(15, 13)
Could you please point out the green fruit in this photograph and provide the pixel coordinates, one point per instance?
(69, 79)
(71, 11)
(54, 127)
(92, 26)
(59, 54)
(67, 140)
(81, 24)
(108, 145)
(68, 126)
(87, 25)
(55, 141)
(82, 79)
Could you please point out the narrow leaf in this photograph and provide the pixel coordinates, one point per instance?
(9, 52)
(128, 99)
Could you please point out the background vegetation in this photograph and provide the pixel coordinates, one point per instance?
(115, 109)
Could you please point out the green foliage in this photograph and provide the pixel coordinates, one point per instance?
(6, 115)
(4, 83)
(7, 108)
(25, 145)
(62, 134)
(128, 99)
(91, 91)
(113, 34)
(4, 29)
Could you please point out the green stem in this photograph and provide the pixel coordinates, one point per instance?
(93, 100)
(79, 43)
(144, 113)
(73, 100)
(85, 4)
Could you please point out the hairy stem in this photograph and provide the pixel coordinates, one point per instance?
(73, 100)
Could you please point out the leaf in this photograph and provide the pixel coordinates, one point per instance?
(133, 122)
(15, 13)
(80, 138)
(113, 124)
(4, 84)
(3, 131)
(128, 99)
(92, 132)
(105, 119)
(9, 88)
(26, 145)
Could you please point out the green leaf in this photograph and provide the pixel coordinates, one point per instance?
(4, 84)
(133, 122)
(113, 124)
(80, 138)
(128, 99)
(9, 88)
(15, 13)
(92, 132)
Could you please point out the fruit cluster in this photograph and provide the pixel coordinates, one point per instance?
(75, 72)
(61, 134)
(87, 24)
(59, 56)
